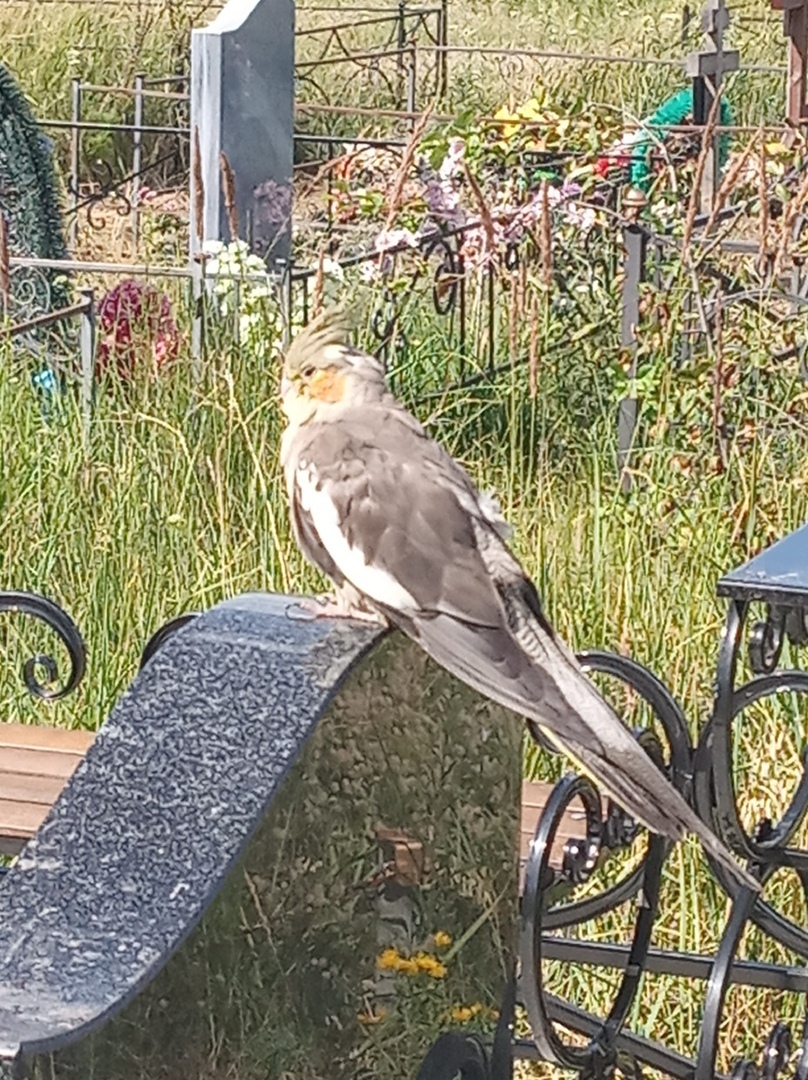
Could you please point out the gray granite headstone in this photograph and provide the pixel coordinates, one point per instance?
(242, 106)
(290, 852)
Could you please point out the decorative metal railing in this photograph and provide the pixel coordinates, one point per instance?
(706, 772)
(41, 671)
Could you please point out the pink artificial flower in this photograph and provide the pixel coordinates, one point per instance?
(136, 324)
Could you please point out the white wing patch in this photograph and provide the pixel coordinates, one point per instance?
(373, 581)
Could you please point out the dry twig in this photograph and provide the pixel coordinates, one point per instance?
(545, 237)
(229, 191)
(199, 190)
(790, 212)
(728, 183)
(404, 168)
(486, 220)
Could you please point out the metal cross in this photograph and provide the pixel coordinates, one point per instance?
(707, 68)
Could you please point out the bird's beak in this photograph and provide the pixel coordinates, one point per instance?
(285, 387)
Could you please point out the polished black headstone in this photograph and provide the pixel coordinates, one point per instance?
(779, 575)
(291, 851)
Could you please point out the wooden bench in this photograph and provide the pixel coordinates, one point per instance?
(36, 762)
(535, 794)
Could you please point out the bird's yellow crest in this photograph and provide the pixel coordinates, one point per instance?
(329, 329)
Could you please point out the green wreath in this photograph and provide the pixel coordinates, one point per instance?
(29, 198)
(670, 114)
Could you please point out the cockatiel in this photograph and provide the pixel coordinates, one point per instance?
(401, 530)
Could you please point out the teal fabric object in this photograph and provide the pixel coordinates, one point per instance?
(669, 114)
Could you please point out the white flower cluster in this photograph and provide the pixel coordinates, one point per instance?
(242, 288)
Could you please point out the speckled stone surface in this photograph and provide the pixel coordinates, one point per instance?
(779, 574)
(168, 796)
(396, 828)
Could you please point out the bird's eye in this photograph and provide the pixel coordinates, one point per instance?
(308, 371)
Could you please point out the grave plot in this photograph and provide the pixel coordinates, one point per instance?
(525, 269)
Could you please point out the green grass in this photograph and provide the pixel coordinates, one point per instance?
(179, 503)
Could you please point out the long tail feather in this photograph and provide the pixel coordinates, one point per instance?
(667, 812)
(550, 688)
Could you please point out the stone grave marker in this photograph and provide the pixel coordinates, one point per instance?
(242, 105)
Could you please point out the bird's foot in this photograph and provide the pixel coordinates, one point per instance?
(342, 605)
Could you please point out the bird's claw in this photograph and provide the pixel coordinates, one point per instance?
(327, 606)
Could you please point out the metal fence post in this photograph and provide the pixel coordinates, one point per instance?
(795, 28)
(287, 291)
(137, 158)
(634, 243)
(412, 84)
(443, 55)
(304, 300)
(87, 340)
(75, 158)
(401, 44)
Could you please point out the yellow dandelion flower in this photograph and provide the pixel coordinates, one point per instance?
(407, 966)
(388, 960)
(430, 966)
(506, 118)
(461, 1014)
(442, 939)
(531, 110)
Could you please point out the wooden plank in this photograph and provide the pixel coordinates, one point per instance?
(37, 762)
(535, 794)
(36, 737)
(20, 819)
(22, 787)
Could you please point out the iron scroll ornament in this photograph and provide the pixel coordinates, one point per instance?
(446, 284)
(48, 612)
(715, 793)
(766, 847)
(161, 636)
(609, 832)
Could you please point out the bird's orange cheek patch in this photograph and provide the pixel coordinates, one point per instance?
(328, 385)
